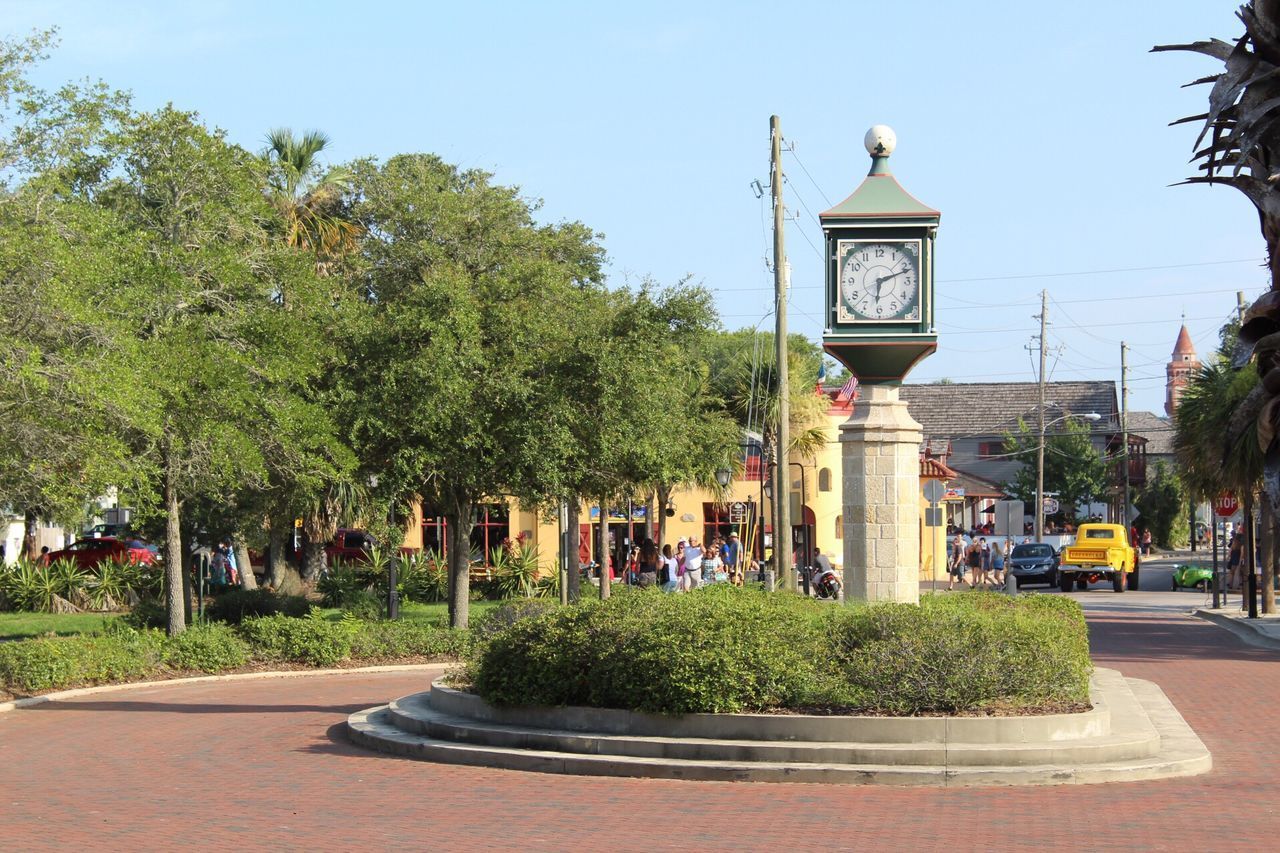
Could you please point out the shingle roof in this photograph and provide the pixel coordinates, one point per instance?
(1156, 430)
(974, 485)
(992, 408)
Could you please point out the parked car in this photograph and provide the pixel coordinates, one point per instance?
(1194, 576)
(1034, 562)
(88, 553)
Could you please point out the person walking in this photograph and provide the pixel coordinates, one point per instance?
(648, 564)
(997, 564)
(668, 570)
(1235, 557)
(974, 557)
(693, 564)
(955, 571)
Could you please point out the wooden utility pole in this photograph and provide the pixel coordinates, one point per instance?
(1044, 313)
(1124, 430)
(781, 489)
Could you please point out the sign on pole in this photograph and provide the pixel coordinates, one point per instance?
(934, 491)
(1050, 506)
(737, 512)
(1225, 505)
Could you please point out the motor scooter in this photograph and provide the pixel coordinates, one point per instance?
(825, 583)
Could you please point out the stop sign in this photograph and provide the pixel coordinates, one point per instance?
(1226, 505)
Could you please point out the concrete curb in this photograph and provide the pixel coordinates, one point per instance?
(1148, 739)
(16, 704)
(1242, 628)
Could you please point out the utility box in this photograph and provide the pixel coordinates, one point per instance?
(118, 515)
(1009, 518)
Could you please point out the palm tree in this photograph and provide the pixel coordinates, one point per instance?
(306, 198)
(1242, 125)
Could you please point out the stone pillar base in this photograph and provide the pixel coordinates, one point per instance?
(880, 450)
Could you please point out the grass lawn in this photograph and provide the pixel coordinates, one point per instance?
(15, 626)
(436, 613)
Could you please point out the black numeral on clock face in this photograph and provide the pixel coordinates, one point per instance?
(879, 252)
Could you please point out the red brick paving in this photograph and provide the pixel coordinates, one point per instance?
(263, 764)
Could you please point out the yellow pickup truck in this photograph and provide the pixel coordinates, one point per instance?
(1100, 551)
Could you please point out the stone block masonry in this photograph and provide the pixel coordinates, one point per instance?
(880, 451)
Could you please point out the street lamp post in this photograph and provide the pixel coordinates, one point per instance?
(1088, 416)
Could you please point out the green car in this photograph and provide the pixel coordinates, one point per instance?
(1199, 577)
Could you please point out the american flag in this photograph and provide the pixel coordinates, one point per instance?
(847, 389)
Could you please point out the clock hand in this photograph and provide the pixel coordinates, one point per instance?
(883, 279)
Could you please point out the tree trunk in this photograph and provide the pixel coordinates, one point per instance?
(461, 517)
(1248, 557)
(648, 515)
(313, 556)
(188, 576)
(247, 579)
(277, 543)
(31, 534)
(1269, 563)
(173, 574)
(602, 549)
(664, 495)
(574, 537)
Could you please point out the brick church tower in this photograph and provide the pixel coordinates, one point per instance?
(1179, 370)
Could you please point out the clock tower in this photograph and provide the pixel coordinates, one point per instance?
(879, 262)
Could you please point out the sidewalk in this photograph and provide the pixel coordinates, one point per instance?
(1263, 632)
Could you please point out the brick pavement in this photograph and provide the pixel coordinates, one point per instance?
(263, 764)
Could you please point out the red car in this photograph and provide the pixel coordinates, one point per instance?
(88, 553)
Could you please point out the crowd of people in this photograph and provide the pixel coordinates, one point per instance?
(977, 562)
(689, 565)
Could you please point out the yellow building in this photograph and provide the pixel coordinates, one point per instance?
(816, 512)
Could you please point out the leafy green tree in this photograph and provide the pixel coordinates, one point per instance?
(453, 391)
(1073, 468)
(1162, 503)
(202, 323)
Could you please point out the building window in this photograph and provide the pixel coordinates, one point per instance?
(493, 525)
(839, 526)
(754, 469)
(824, 480)
(990, 449)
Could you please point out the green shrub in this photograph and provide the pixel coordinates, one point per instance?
(424, 580)
(365, 604)
(211, 647)
(312, 640)
(236, 605)
(148, 613)
(344, 581)
(395, 639)
(486, 625)
(724, 649)
(719, 649)
(120, 654)
(954, 653)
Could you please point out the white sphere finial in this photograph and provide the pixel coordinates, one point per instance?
(880, 140)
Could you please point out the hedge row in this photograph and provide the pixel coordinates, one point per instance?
(723, 649)
(124, 653)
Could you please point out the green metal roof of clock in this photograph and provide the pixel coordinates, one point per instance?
(880, 195)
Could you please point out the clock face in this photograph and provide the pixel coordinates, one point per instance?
(879, 281)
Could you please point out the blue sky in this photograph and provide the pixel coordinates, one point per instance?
(1039, 130)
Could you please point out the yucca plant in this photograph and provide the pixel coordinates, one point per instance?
(67, 578)
(29, 587)
(515, 571)
(106, 589)
(425, 579)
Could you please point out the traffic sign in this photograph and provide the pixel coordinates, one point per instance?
(1225, 505)
(1050, 506)
(933, 491)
